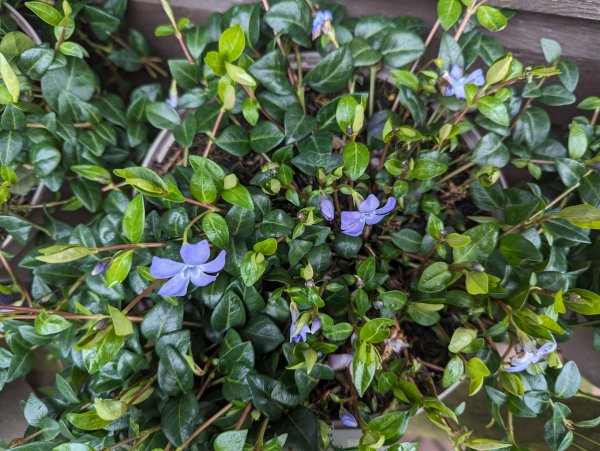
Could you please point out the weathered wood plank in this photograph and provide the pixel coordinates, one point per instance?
(584, 9)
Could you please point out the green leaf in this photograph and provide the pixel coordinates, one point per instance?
(34, 410)
(491, 151)
(400, 48)
(536, 126)
(161, 115)
(119, 268)
(235, 140)
(578, 141)
(584, 216)
(121, 323)
(568, 381)
(203, 187)
(185, 74)
(106, 346)
(265, 136)
(425, 169)
(134, 219)
(92, 172)
(364, 364)
(228, 313)
(49, 324)
(144, 180)
(376, 330)
(476, 369)
(161, 319)
(252, 268)
(494, 109)
(461, 338)
(179, 417)
(483, 444)
(11, 143)
(240, 196)
(216, 229)
(239, 75)
(453, 371)
(448, 12)
(436, 277)
(88, 421)
(483, 241)
(297, 124)
(47, 13)
(13, 118)
(264, 334)
(391, 426)
(332, 73)
(63, 253)
(316, 148)
(292, 18)
(19, 229)
(175, 376)
(230, 440)
(551, 50)
(356, 159)
(110, 409)
(362, 53)
(491, 18)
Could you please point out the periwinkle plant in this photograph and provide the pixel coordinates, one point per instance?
(365, 256)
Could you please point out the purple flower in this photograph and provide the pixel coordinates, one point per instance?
(100, 267)
(339, 362)
(349, 420)
(321, 23)
(353, 222)
(195, 268)
(529, 355)
(304, 330)
(326, 207)
(396, 344)
(457, 81)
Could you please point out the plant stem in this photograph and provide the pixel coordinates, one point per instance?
(261, 435)
(142, 437)
(141, 296)
(372, 79)
(115, 247)
(594, 118)
(463, 24)
(300, 86)
(546, 208)
(291, 76)
(15, 280)
(204, 425)
(213, 133)
(586, 396)
(457, 171)
(245, 414)
(200, 204)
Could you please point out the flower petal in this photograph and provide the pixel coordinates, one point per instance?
(215, 265)
(355, 229)
(327, 15)
(339, 362)
(389, 206)
(200, 278)
(353, 223)
(326, 207)
(349, 420)
(456, 72)
(476, 77)
(459, 90)
(449, 91)
(195, 254)
(374, 219)
(369, 204)
(176, 286)
(163, 268)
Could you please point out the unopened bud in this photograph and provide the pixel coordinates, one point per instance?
(360, 283)
(477, 267)
(310, 284)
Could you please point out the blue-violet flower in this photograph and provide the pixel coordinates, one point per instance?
(326, 207)
(457, 81)
(530, 355)
(195, 268)
(304, 330)
(100, 267)
(321, 23)
(339, 362)
(349, 420)
(353, 222)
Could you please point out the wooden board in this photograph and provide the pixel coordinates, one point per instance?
(584, 9)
